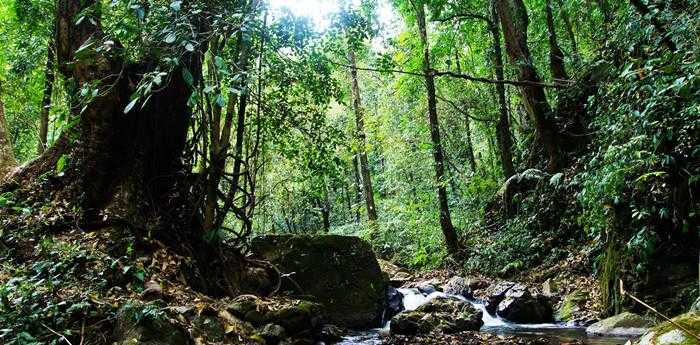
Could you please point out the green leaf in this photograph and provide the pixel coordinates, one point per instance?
(170, 38)
(61, 164)
(189, 79)
(130, 105)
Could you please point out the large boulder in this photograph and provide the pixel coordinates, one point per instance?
(340, 272)
(440, 315)
(496, 293)
(668, 334)
(623, 325)
(520, 306)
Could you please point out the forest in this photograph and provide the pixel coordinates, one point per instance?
(352, 172)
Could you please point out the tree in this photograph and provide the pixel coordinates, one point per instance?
(556, 56)
(7, 157)
(365, 177)
(448, 230)
(514, 22)
(503, 127)
(46, 99)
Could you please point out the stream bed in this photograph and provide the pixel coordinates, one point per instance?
(413, 298)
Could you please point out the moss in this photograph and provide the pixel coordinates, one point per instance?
(568, 306)
(340, 272)
(691, 321)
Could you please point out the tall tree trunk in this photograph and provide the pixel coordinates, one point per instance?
(358, 186)
(7, 156)
(361, 140)
(556, 56)
(46, 100)
(514, 22)
(448, 230)
(503, 127)
(469, 147)
(569, 30)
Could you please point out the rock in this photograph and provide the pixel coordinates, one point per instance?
(477, 283)
(152, 291)
(520, 306)
(394, 302)
(441, 315)
(667, 334)
(340, 272)
(301, 317)
(571, 304)
(549, 288)
(495, 294)
(397, 275)
(457, 286)
(330, 334)
(272, 333)
(624, 324)
(696, 306)
(208, 328)
(134, 326)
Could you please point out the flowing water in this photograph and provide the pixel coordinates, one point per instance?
(413, 298)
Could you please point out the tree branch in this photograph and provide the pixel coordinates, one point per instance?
(458, 76)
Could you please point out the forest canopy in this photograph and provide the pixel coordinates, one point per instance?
(493, 137)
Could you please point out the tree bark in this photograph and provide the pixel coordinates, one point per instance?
(448, 230)
(358, 187)
(503, 127)
(556, 56)
(129, 164)
(7, 156)
(469, 147)
(514, 22)
(569, 30)
(46, 100)
(361, 137)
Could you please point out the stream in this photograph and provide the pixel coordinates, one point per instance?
(413, 298)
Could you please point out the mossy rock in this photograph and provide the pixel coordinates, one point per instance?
(666, 333)
(138, 324)
(340, 272)
(623, 324)
(440, 315)
(208, 328)
(571, 304)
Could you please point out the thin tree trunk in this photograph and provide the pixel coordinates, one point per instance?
(469, 147)
(514, 22)
(569, 30)
(7, 156)
(358, 187)
(448, 230)
(556, 56)
(503, 127)
(46, 100)
(366, 179)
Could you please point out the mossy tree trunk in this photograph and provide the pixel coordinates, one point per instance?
(505, 144)
(514, 22)
(448, 229)
(361, 137)
(556, 55)
(46, 99)
(7, 156)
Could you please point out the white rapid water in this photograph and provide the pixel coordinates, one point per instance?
(413, 298)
